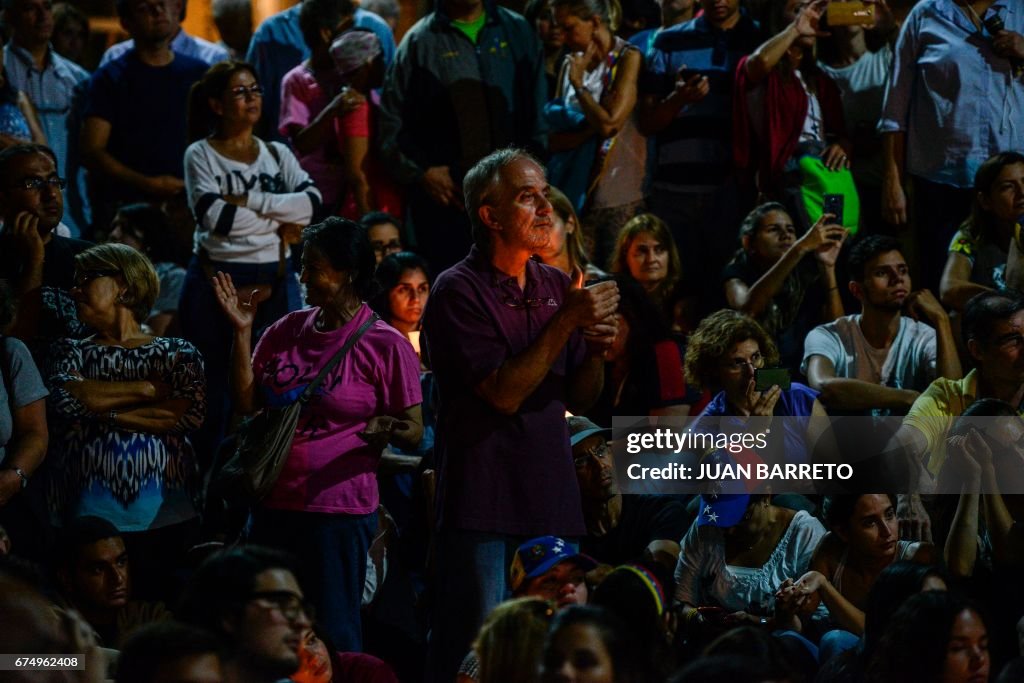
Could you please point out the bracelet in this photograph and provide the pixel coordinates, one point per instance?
(21, 475)
(832, 289)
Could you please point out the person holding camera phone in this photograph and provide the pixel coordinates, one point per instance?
(790, 107)
(772, 280)
(725, 354)
(686, 102)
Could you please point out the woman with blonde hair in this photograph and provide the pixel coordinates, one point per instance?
(594, 140)
(646, 252)
(566, 250)
(510, 642)
(125, 402)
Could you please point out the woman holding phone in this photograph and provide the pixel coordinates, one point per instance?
(787, 283)
(725, 354)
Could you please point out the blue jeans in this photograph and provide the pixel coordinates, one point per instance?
(331, 549)
(471, 569)
(204, 324)
(835, 643)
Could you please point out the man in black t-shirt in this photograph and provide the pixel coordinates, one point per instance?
(621, 528)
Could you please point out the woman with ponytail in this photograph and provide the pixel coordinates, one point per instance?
(596, 146)
(250, 199)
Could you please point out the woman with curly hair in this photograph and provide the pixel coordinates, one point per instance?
(723, 354)
(323, 506)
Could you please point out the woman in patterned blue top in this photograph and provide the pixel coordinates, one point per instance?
(125, 402)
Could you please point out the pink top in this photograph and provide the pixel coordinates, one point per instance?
(330, 469)
(302, 99)
(384, 193)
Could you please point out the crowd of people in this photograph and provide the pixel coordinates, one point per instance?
(442, 265)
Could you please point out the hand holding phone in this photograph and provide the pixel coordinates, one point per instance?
(766, 378)
(834, 204)
(691, 85)
(851, 13)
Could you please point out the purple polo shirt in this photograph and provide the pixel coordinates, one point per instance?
(501, 474)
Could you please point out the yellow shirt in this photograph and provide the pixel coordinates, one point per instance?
(934, 411)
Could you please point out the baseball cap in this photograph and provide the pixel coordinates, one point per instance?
(540, 554)
(581, 428)
(723, 510)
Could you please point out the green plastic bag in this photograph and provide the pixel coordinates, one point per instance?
(817, 181)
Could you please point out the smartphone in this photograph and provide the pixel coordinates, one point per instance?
(833, 204)
(846, 13)
(766, 378)
(711, 612)
(687, 74)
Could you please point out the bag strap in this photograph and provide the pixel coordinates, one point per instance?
(333, 362)
(274, 153)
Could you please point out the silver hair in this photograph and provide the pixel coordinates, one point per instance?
(481, 181)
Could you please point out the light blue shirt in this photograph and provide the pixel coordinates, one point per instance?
(277, 47)
(957, 100)
(183, 44)
(50, 91)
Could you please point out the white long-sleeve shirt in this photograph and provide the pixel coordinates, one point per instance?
(277, 191)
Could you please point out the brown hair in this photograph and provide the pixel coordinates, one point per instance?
(636, 226)
(201, 119)
(574, 240)
(715, 337)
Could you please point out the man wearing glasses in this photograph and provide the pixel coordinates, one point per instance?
(621, 528)
(250, 598)
(38, 264)
(48, 79)
(513, 344)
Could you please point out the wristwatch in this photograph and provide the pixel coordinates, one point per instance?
(21, 475)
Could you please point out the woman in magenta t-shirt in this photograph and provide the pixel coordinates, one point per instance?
(323, 506)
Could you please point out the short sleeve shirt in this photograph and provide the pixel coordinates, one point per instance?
(507, 474)
(22, 385)
(330, 469)
(704, 578)
(934, 410)
(910, 363)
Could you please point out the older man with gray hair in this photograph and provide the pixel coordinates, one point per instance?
(513, 344)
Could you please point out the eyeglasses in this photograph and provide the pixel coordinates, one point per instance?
(756, 361)
(289, 604)
(243, 92)
(598, 453)
(385, 248)
(87, 276)
(515, 302)
(36, 184)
